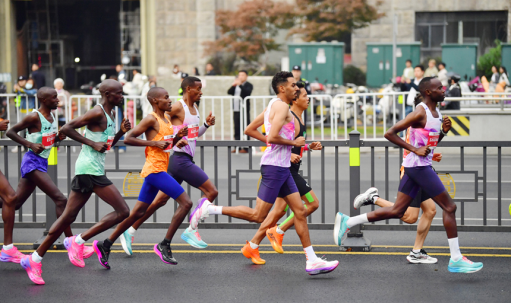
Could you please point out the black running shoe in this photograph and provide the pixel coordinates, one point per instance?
(165, 254)
(102, 253)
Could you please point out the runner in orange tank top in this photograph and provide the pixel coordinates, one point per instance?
(160, 139)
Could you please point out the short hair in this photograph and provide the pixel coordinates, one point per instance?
(243, 71)
(442, 63)
(189, 81)
(424, 84)
(432, 60)
(409, 60)
(300, 84)
(280, 78)
(420, 66)
(58, 80)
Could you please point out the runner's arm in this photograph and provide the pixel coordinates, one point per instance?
(27, 122)
(177, 107)
(412, 120)
(125, 127)
(446, 127)
(252, 128)
(210, 121)
(147, 123)
(89, 117)
(279, 119)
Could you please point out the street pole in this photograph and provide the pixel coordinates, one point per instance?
(394, 48)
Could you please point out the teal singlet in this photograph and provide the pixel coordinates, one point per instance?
(46, 136)
(90, 161)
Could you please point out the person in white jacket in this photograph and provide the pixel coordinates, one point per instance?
(442, 74)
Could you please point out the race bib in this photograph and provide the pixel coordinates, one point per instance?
(169, 138)
(48, 139)
(109, 142)
(433, 139)
(193, 132)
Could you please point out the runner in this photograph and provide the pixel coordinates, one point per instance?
(42, 134)
(427, 131)
(276, 177)
(185, 118)
(418, 255)
(90, 177)
(276, 233)
(160, 139)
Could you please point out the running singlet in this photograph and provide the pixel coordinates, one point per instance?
(193, 122)
(156, 159)
(46, 136)
(91, 161)
(278, 155)
(420, 137)
(298, 150)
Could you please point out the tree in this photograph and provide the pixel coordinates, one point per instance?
(250, 30)
(332, 19)
(490, 59)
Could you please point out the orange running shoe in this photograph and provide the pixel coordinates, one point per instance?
(253, 254)
(275, 239)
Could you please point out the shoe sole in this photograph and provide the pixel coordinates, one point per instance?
(356, 205)
(98, 253)
(192, 242)
(461, 270)
(322, 270)
(420, 261)
(161, 256)
(68, 246)
(23, 264)
(124, 246)
(252, 259)
(8, 259)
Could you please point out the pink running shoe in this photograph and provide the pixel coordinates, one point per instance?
(33, 269)
(88, 251)
(11, 255)
(74, 251)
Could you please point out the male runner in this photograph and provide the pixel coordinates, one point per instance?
(276, 177)
(160, 134)
(184, 114)
(90, 177)
(276, 233)
(42, 134)
(426, 132)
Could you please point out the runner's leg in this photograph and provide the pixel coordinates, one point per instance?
(428, 213)
(10, 200)
(271, 220)
(309, 206)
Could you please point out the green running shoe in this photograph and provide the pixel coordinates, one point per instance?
(340, 227)
(464, 265)
(193, 238)
(126, 241)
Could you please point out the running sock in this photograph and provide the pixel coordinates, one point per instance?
(189, 229)
(131, 230)
(79, 240)
(8, 247)
(212, 209)
(107, 244)
(279, 231)
(36, 258)
(416, 250)
(455, 249)
(253, 246)
(357, 220)
(310, 254)
(165, 242)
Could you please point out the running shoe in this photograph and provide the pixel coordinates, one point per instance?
(275, 239)
(199, 213)
(252, 254)
(126, 241)
(88, 251)
(11, 255)
(193, 238)
(102, 253)
(340, 227)
(33, 269)
(165, 254)
(464, 265)
(320, 266)
(366, 198)
(74, 251)
(421, 257)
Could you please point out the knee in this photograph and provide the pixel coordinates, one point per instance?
(123, 214)
(397, 213)
(313, 206)
(409, 218)
(257, 217)
(430, 213)
(61, 202)
(139, 213)
(451, 208)
(160, 203)
(212, 194)
(300, 214)
(12, 200)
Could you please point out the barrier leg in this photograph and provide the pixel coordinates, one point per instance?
(355, 238)
(51, 215)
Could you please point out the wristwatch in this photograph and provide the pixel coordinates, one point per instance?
(443, 133)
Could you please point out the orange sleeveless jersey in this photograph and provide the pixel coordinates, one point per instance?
(156, 159)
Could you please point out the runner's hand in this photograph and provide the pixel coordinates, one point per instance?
(447, 124)
(183, 132)
(437, 157)
(181, 143)
(101, 147)
(162, 144)
(37, 148)
(299, 142)
(210, 120)
(125, 125)
(295, 158)
(61, 136)
(4, 124)
(422, 151)
(315, 146)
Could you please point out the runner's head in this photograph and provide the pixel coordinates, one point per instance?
(48, 97)
(302, 102)
(111, 91)
(431, 89)
(284, 85)
(159, 99)
(192, 88)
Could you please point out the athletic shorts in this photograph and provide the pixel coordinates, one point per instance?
(275, 182)
(421, 178)
(160, 181)
(301, 184)
(85, 183)
(31, 162)
(182, 168)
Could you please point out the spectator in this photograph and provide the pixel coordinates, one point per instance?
(196, 71)
(180, 91)
(176, 72)
(24, 104)
(297, 74)
(137, 83)
(408, 71)
(121, 74)
(503, 76)
(38, 76)
(414, 88)
(146, 106)
(431, 71)
(58, 84)
(442, 75)
(454, 91)
(241, 88)
(210, 70)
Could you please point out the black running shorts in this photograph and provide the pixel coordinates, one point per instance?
(84, 183)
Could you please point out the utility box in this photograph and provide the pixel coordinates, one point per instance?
(319, 61)
(461, 59)
(506, 56)
(379, 61)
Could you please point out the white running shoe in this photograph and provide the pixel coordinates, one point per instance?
(320, 266)
(366, 198)
(421, 258)
(199, 213)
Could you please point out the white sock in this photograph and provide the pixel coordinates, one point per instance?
(8, 247)
(189, 229)
(253, 246)
(357, 220)
(79, 240)
(310, 254)
(36, 258)
(455, 249)
(416, 250)
(213, 209)
(132, 230)
(279, 231)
